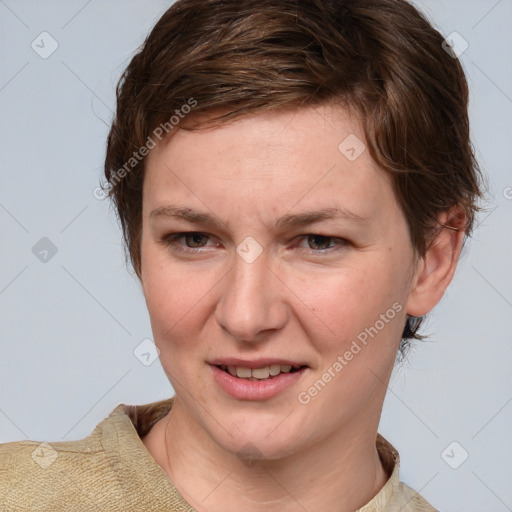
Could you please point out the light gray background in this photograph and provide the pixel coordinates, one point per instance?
(69, 326)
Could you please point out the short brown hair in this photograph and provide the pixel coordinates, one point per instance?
(380, 58)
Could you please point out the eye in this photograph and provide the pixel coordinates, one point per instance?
(322, 243)
(193, 240)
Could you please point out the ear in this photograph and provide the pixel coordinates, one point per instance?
(435, 270)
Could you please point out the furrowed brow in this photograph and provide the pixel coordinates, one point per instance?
(188, 214)
(307, 218)
(288, 220)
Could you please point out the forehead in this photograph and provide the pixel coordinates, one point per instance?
(279, 158)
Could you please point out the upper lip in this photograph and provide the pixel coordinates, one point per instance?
(254, 363)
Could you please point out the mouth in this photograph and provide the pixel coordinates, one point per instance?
(263, 373)
(256, 380)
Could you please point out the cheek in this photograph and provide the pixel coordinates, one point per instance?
(174, 300)
(343, 303)
(172, 294)
(177, 317)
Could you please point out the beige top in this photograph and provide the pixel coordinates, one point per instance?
(111, 470)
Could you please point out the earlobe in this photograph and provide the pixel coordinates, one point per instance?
(436, 269)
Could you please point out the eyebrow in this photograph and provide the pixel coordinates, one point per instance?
(288, 220)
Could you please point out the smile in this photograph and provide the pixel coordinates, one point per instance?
(263, 373)
(256, 380)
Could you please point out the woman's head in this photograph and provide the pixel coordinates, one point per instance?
(294, 182)
(380, 59)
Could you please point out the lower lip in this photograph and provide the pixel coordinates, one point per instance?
(245, 389)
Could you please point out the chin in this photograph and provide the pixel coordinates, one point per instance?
(256, 438)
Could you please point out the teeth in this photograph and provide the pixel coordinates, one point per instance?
(259, 373)
(244, 373)
(274, 369)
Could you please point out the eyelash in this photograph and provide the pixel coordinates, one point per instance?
(171, 239)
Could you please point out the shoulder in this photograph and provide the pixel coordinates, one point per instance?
(408, 500)
(109, 470)
(47, 473)
(59, 475)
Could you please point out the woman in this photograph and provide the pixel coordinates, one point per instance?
(295, 182)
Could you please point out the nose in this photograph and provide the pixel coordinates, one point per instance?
(253, 300)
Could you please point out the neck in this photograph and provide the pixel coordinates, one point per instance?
(342, 473)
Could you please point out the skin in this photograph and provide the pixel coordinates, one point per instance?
(303, 298)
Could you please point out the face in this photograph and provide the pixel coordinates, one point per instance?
(265, 245)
